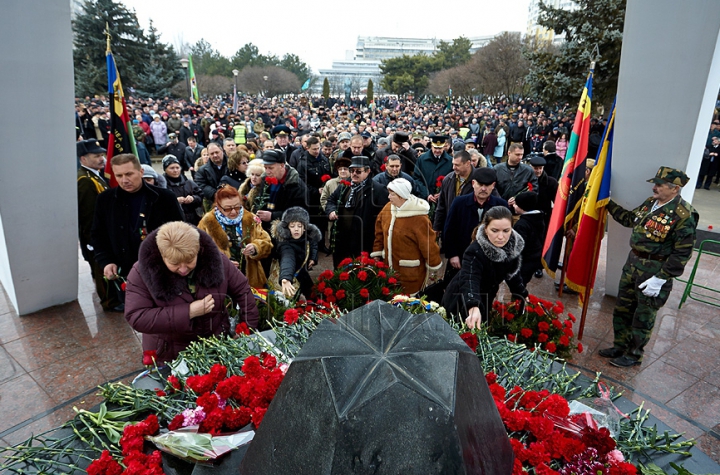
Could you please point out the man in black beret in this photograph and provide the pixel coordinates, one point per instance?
(355, 208)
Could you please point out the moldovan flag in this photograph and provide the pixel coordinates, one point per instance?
(193, 82)
(582, 264)
(568, 198)
(120, 139)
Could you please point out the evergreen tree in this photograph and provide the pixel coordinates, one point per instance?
(455, 53)
(370, 92)
(127, 42)
(291, 62)
(326, 89)
(208, 61)
(559, 73)
(162, 68)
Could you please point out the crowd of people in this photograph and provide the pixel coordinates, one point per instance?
(276, 182)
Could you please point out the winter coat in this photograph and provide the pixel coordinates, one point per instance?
(208, 178)
(500, 147)
(311, 170)
(190, 157)
(484, 267)
(157, 301)
(531, 226)
(292, 252)
(462, 218)
(113, 241)
(384, 179)
(489, 142)
(554, 165)
(292, 192)
(409, 159)
(159, 132)
(428, 169)
(89, 186)
(405, 239)
(261, 239)
(184, 187)
(447, 196)
(510, 183)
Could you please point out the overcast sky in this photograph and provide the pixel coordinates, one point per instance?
(320, 31)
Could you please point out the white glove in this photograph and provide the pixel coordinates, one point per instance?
(652, 286)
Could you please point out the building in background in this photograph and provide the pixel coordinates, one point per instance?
(540, 33)
(364, 63)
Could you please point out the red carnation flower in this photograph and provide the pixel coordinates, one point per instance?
(291, 315)
(174, 381)
(218, 372)
(325, 178)
(208, 401)
(580, 348)
(438, 182)
(382, 167)
(344, 276)
(321, 286)
(331, 299)
(471, 340)
(385, 291)
(564, 340)
(362, 275)
(160, 393)
(511, 337)
(345, 182)
(105, 465)
(257, 416)
(557, 324)
(340, 294)
(364, 293)
(149, 356)
(326, 274)
(242, 329)
(392, 281)
(200, 384)
(345, 262)
(551, 347)
(530, 187)
(271, 180)
(380, 264)
(328, 292)
(526, 333)
(177, 422)
(123, 286)
(571, 317)
(542, 338)
(381, 274)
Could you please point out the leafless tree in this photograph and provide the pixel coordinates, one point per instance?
(501, 66)
(207, 86)
(269, 80)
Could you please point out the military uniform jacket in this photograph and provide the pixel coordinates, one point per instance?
(89, 186)
(668, 232)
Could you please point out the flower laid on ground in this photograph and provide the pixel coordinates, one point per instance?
(356, 282)
(536, 422)
(539, 323)
(134, 459)
(416, 305)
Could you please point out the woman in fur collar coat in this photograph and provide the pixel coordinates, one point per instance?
(297, 242)
(176, 291)
(238, 234)
(493, 257)
(405, 239)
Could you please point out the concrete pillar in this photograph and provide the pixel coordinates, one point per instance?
(38, 194)
(668, 84)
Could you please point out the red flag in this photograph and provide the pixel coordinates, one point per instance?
(569, 195)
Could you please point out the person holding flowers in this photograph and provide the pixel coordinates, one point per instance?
(238, 234)
(297, 249)
(514, 177)
(493, 257)
(177, 290)
(405, 239)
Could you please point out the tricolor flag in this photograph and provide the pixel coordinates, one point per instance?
(193, 82)
(569, 193)
(121, 138)
(582, 264)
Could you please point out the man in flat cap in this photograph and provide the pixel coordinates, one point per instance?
(661, 243)
(90, 184)
(355, 208)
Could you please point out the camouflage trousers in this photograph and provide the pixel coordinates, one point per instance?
(634, 313)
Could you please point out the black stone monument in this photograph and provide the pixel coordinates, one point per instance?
(382, 391)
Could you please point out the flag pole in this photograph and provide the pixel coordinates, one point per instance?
(588, 288)
(566, 255)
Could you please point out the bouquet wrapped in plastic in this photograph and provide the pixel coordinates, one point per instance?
(189, 444)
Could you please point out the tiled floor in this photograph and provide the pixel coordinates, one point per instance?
(52, 360)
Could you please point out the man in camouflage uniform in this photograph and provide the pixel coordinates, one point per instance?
(661, 244)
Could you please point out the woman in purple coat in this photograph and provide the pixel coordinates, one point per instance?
(178, 290)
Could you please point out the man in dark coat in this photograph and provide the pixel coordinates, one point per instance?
(456, 183)
(547, 189)
(281, 133)
(173, 147)
(312, 167)
(90, 184)
(554, 161)
(433, 164)
(193, 151)
(125, 215)
(209, 175)
(355, 208)
(531, 227)
(272, 200)
(393, 167)
(465, 214)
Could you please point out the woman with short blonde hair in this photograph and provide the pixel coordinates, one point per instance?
(177, 242)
